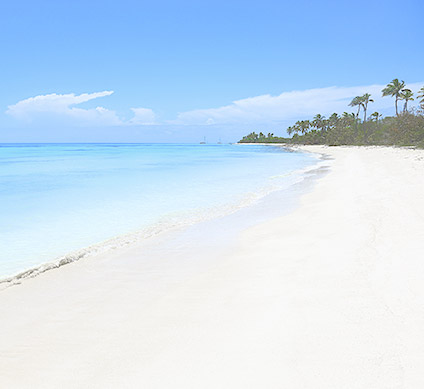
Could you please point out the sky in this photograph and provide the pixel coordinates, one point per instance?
(179, 71)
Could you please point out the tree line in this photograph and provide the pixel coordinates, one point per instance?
(406, 128)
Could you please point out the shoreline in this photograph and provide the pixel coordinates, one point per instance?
(137, 237)
(327, 295)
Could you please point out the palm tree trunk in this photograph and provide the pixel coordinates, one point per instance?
(365, 125)
(396, 101)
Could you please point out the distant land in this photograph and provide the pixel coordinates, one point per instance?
(406, 128)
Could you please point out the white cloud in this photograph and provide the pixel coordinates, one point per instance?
(260, 110)
(59, 107)
(287, 105)
(143, 116)
(64, 105)
(52, 103)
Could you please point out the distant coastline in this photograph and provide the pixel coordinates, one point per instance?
(406, 128)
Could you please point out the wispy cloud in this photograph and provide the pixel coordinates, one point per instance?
(286, 106)
(259, 110)
(64, 106)
(52, 103)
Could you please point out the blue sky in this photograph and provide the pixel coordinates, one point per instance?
(176, 68)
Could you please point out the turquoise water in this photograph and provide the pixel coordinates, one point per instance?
(56, 198)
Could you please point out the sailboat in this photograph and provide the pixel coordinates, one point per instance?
(204, 141)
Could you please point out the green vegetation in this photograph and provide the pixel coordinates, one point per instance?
(404, 129)
(253, 137)
(395, 89)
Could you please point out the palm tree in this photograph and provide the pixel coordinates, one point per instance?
(365, 99)
(406, 95)
(421, 96)
(394, 88)
(356, 101)
(363, 102)
(304, 126)
(333, 119)
(349, 119)
(297, 127)
(376, 116)
(318, 121)
(347, 115)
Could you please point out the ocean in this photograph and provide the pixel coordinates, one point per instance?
(56, 199)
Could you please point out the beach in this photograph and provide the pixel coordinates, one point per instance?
(328, 295)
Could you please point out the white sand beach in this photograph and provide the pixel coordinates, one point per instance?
(330, 295)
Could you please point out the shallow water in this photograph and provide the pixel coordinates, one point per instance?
(56, 198)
